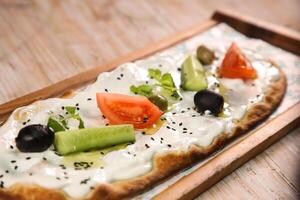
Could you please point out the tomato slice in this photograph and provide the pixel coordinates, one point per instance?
(124, 109)
(236, 65)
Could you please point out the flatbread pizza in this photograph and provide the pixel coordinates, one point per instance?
(136, 125)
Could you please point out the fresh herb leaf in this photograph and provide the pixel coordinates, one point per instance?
(55, 125)
(154, 74)
(64, 123)
(81, 124)
(169, 88)
(164, 81)
(167, 80)
(71, 109)
(144, 90)
(60, 122)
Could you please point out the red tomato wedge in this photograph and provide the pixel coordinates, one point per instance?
(124, 109)
(236, 65)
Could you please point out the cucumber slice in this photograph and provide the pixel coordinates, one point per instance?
(71, 141)
(193, 75)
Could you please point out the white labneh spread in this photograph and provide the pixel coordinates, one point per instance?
(183, 126)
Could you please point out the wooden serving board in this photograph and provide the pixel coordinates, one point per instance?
(230, 158)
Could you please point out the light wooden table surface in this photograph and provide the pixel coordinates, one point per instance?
(42, 42)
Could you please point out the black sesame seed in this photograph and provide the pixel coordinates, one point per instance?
(147, 82)
(28, 158)
(152, 138)
(180, 124)
(184, 128)
(24, 123)
(143, 132)
(1, 184)
(182, 111)
(161, 138)
(257, 95)
(128, 152)
(169, 145)
(77, 108)
(66, 177)
(89, 99)
(173, 129)
(180, 99)
(77, 104)
(161, 141)
(173, 122)
(44, 158)
(16, 167)
(13, 161)
(168, 127)
(178, 69)
(118, 78)
(84, 181)
(1, 175)
(121, 75)
(57, 178)
(174, 113)
(62, 107)
(106, 90)
(67, 113)
(101, 152)
(191, 133)
(11, 147)
(7, 171)
(28, 120)
(106, 124)
(184, 131)
(147, 146)
(92, 188)
(193, 115)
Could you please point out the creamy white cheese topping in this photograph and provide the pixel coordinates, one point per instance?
(183, 127)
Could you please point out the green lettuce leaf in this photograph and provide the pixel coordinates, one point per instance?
(144, 90)
(164, 81)
(60, 122)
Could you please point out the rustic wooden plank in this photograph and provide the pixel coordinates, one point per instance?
(272, 174)
(81, 79)
(277, 35)
(228, 160)
(42, 42)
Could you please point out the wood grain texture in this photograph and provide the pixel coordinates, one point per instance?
(88, 76)
(43, 42)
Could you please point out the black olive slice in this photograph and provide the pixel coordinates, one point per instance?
(34, 138)
(208, 100)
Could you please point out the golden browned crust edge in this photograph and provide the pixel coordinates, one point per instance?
(163, 165)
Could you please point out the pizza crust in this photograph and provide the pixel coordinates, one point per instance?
(163, 165)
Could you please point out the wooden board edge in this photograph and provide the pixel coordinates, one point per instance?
(230, 159)
(88, 76)
(280, 36)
